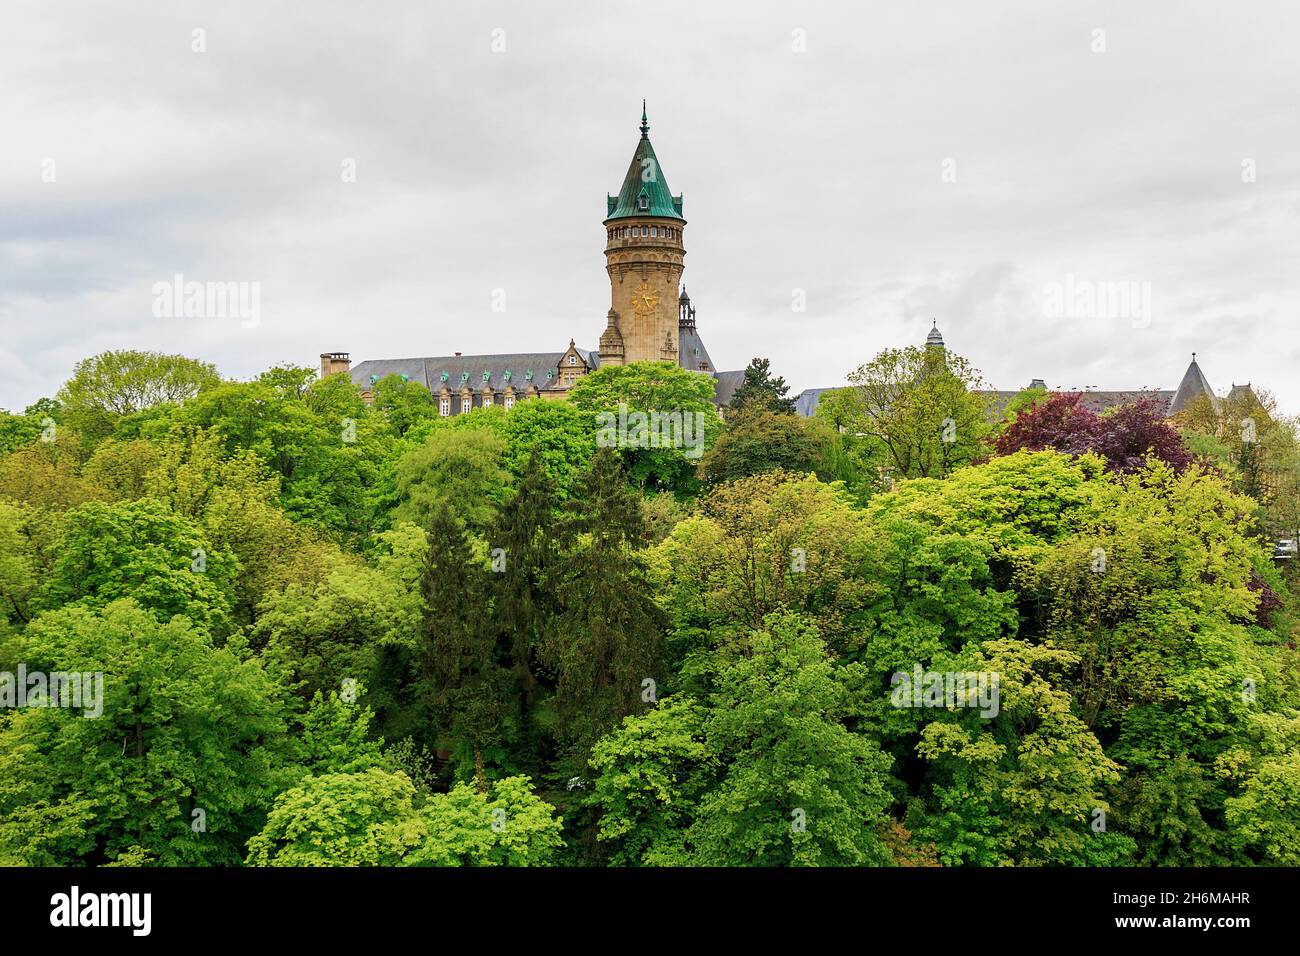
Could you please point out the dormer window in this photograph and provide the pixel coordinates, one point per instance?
(643, 201)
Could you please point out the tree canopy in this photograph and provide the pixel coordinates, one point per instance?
(914, 630)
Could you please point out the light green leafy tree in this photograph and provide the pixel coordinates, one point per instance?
(918, 408)
(1022, 785)
(145, 551)
(650, 774)
(1264, 819)
(653, 387)
(456, 468)
(112, 385)
(183, 727)
(341, 819)
(371, 818)
(797, 788)
(505, 825)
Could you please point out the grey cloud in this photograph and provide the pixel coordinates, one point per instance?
(818, 170)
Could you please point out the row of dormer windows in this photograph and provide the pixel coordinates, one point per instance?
(467, 403)
(644, 232)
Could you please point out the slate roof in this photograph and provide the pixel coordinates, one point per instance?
(1097, 402)
(691, 353)
(725, 385)
(469, 370)
(807, 401)
(1194, 384)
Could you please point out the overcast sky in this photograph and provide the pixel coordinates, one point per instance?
(894, 161)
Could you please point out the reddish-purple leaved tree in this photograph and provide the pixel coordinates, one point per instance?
(1123, 438)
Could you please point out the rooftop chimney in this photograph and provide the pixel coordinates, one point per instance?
(332, 363)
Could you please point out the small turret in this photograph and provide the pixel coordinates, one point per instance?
(611, 341)
(935, 338)
(685, 311)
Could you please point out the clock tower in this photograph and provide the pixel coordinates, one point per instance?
(643, 256)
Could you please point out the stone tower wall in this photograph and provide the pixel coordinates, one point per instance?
(641, 268)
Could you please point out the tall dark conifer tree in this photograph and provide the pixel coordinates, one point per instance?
(524, 530)
(761, 392)
(606, 639)
(464, 686)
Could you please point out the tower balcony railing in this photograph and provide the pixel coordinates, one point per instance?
(643, 242)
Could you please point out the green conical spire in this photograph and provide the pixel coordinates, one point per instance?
(645, 191)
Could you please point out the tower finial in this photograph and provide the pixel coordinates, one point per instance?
(645, 125)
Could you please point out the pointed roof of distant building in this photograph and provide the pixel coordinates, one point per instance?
(806, 402)
(935, 337)
(1240, 391)
(645, 190)
(1193, 385)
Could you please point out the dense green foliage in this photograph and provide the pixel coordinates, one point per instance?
(345, 634)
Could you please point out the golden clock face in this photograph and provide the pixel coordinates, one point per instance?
(644, 300)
